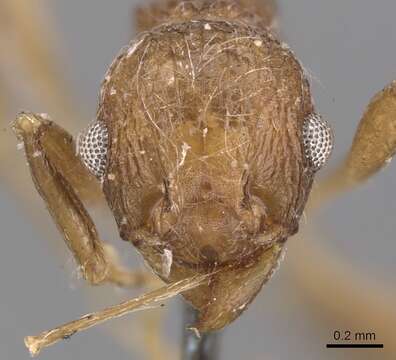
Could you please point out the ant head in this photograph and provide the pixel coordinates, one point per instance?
(209, 155)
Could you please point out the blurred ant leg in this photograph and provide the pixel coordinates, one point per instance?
(57, 174)
(373, 147)
(204, 347)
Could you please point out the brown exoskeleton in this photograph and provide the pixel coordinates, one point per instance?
(206, 143)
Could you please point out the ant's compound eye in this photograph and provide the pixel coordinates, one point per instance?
(318, 141)
(92, 148)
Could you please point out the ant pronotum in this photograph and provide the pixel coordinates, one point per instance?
(206, 143)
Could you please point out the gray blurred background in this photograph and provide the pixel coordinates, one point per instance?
(349, 49)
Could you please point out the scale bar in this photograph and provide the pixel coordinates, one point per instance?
(355, 346)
